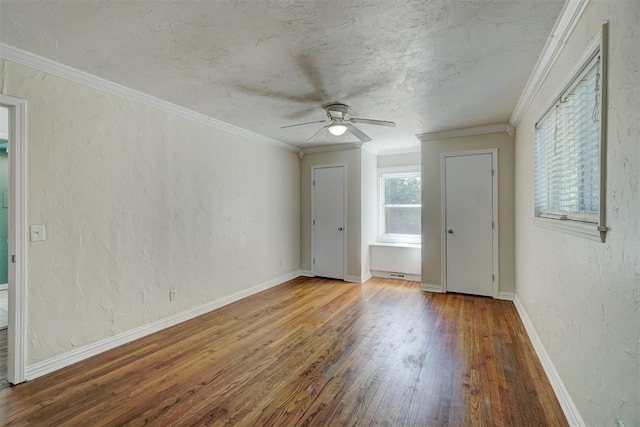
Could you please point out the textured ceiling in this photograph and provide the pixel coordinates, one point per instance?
(429, 65)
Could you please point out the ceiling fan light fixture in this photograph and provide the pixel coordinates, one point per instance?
(337, 129)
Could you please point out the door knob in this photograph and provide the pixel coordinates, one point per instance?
(340, 228)
(450, 231)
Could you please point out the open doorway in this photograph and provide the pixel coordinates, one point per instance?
(4, 236)
(13, 362)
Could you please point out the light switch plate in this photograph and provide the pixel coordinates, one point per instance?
(37, 232)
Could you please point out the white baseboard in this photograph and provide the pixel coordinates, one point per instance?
(505, 295)
(566, 402)
(353, 279)
(366, 277)
(428, 287)
(4, 286)
(63, 360)
(349, 278)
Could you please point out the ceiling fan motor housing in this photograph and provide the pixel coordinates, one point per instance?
(340, 123)
(337, 111)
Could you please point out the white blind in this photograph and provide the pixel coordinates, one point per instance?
(567, 152)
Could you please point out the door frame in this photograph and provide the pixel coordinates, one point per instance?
(344, 215)
(17, 333)
(443, 206)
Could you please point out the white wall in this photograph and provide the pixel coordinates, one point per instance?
(431, 204)
(399, 159)
(136, 202)
(387, 258)
(583, 297)
(369, 209)
(362, 204)
(353, 160)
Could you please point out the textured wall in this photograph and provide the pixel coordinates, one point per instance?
(137, 202)
(583, 297)
(432, 211)
(353, 160)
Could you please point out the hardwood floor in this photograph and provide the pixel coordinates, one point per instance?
(3, 358)
(310, 352)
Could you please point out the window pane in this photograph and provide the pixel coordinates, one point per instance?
(402, 220)
(567, 153)
(402, 190)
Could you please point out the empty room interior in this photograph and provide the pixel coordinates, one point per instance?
(376, 212)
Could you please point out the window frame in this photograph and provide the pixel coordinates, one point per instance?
(590, 230)
(395, 172)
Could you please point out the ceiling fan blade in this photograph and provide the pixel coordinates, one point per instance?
(302, 113)
(302, 124)
(357, 132)
(310, 98)
(310, 69)
(364, 90)
(374, 122)
(317, 133)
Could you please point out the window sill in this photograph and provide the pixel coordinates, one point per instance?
(397, 245)
(575, 228)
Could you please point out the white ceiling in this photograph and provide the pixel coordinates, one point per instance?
(429, 65)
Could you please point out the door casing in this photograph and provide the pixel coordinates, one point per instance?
(344, 221)
(17, 332)
(495, 249)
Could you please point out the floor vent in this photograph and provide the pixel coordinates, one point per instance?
(396, 275)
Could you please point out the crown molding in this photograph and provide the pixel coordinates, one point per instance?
(457, 133)
(562, 30)
(51, 67)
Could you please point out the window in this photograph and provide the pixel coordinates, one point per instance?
(569, 151)
(400, 205)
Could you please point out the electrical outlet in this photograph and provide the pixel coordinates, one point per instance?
(173, 295)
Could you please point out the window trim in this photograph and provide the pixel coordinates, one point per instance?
(391, 237)
(593, 231)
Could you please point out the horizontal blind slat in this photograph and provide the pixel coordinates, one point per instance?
(566, 153)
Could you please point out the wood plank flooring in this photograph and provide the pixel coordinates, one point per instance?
(3, 359)
(310, 352)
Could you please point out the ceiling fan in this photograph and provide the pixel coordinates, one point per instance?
(339, 123)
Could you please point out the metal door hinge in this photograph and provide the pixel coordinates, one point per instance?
(493, 277)
(314, 261)
(314, 222)
(314, 182)
(493, 224)
(13, 259)
(493, 172)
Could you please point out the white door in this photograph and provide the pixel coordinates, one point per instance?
(328, 221)
(468, 222)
